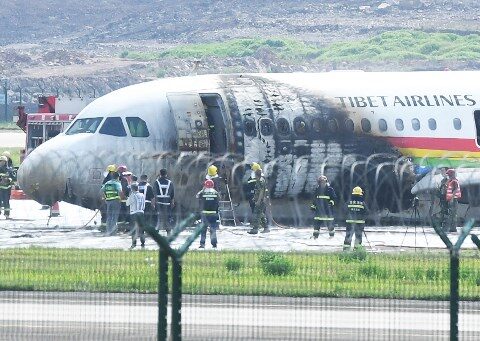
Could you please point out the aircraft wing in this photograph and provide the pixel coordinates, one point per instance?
(465, 176)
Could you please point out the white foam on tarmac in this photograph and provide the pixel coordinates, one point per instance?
(76, 227)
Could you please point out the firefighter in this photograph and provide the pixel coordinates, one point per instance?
(147, 190)
(249, 185)
(6, 182)
(442, 195)
(452, 195)
(323, 203)
(212, 174)
(165, 201)
(124, 217)
(260, 202)
(9, 158)
(209, 199)
(111, 169)
(355, 218)
(112, 194)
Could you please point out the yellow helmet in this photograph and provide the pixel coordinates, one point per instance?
(212, 170)
(255, 166)
(357, 191)
(111, 168)
(7, 154)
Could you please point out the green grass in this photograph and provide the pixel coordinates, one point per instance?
(8, 126)
(405, 276)
(400, 45)
(15, 153)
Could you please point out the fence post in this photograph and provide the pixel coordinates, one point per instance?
(176, 330)
(166, 251)
(162, 294)
(454, 273)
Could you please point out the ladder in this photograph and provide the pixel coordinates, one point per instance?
(225, 209)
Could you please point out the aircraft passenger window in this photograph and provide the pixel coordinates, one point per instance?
(266, 126)
(137, 127)
(332, 125)
(317, 124)
(432, 124)
(113, 126)
(299, 126)
(415, 124)
(399, 124)
(250, 129)
(366, 125)
(84, 125)
(349, 125)
(283, 127)
(382, 125)
(457, 123)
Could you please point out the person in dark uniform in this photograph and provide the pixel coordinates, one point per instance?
(355, 218)
(124, 216)
(147, 190)
(209, 198)
(249, 185)
(6, 183)
(219, 182)
(165, 201)
(322, 205)
(260, 202)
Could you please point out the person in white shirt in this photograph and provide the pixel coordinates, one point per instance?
(136, 202)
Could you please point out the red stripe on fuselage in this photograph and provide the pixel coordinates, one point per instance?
(449, 144)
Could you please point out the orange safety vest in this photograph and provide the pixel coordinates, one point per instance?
(451, 192)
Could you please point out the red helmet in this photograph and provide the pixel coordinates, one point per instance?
(450, 172)
(208, 184)
(121, 169)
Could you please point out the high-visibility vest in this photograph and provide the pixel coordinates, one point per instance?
(451, 192)
(163, 198)
(111, 192)
(142, 188)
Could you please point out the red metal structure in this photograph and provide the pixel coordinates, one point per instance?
(53, 117)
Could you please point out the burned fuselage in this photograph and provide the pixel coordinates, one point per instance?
(288, 125)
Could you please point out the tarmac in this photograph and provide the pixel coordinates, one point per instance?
(77, 227)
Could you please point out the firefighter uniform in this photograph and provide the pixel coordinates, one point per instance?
(355, 218)
(260, 202)
(452, 195)
(249, 186)
(209, 199)
(124, 216)
(112, 191)
(147, 190)
(6, 183)
(164, 198)
(323, 202)
(218, 181)
(103, 208)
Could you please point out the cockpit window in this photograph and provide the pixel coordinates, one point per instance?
(113, 126)
(137, 127)
(84, 125)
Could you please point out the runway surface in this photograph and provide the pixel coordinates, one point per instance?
(12, 138)
(78, 228)
(58, 316)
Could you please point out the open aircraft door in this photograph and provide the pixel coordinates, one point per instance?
(191, 122)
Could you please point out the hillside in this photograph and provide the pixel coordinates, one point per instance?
(67, 46)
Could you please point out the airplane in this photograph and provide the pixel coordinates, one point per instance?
(388, 132)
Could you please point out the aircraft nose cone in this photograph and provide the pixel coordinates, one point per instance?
(41, 177)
